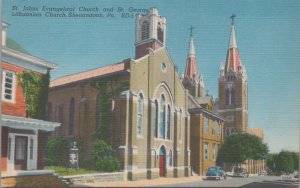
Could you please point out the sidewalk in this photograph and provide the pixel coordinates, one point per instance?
(142, 183)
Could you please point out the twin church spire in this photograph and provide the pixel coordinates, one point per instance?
(193, 81)
(233, 65)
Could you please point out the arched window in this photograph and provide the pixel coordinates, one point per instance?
(60, 118)
(169, 123)
(180, 126)
(162, 116)
(71, 116)
(145, 30)
(170, 158)
(140, 108)
(49, 111)
(227, 96)
(98, 111)
(155, 119)
(232, 97)
(160, 35)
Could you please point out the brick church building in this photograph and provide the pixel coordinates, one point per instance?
(149, 128)
(233, 98)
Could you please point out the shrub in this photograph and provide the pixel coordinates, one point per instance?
(57, 151)
(103, 159)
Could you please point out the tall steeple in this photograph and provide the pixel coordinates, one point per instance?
(191, 69)
(233, 89)
(193, 81)
(233, 59)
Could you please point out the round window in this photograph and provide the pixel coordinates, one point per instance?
(163, 67)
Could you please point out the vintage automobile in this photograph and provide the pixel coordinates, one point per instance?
(240, 172)
(215, 172)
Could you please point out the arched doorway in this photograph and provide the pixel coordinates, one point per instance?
(162, 161)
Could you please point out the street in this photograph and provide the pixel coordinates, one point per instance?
(251, 182)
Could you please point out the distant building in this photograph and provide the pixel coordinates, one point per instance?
(23, 138)
(233, 97)
(149, 118)
(206, 127)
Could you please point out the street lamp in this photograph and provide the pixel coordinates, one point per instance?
(73, 156)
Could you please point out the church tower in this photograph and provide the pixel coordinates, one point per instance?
(233, 89)
(150, 32)
(193, 81)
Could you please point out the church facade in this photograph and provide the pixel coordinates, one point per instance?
(149, 124)
(233, 98)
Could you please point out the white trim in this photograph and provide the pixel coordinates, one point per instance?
(28, 58)
(166, 88)
(28, 123)
(31, 163)
(28, 172)
(13, 87)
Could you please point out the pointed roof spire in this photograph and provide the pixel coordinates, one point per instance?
(232, 42)
(192, 52)
(191, 69)
(233, 58)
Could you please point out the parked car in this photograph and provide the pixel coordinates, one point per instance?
(240, 172)
(215, 172)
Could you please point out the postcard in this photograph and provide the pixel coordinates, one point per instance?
(150, 93)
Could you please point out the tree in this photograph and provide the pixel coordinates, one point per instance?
(240, 147)
(285, 162)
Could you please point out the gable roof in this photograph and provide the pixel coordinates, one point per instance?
(10, 43)
(94, 73)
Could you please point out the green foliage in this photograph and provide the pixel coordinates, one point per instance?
(102, 157)
(240, 147)
(57, 151)
(35, 89)
(108, 90)
(68, 171)
(285, 161)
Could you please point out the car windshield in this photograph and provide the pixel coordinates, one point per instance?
(212, 169)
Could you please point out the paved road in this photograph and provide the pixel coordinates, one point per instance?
(251, 182)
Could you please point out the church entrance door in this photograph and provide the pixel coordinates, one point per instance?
(162, 162)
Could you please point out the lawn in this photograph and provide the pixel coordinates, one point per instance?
(68, 171)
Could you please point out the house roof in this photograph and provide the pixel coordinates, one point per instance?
(85, 75)
(27, 123)
(203, 100)
(196, 108)
(10, 43)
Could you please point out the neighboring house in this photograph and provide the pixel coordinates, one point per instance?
(233, 96)
(23, 138)
(149, 119)
(206, 127)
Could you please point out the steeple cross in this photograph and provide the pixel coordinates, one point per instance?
(232, 18)
(191, 28)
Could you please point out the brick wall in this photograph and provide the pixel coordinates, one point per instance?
(142, 49)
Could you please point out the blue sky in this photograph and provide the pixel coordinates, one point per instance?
(267, 36)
